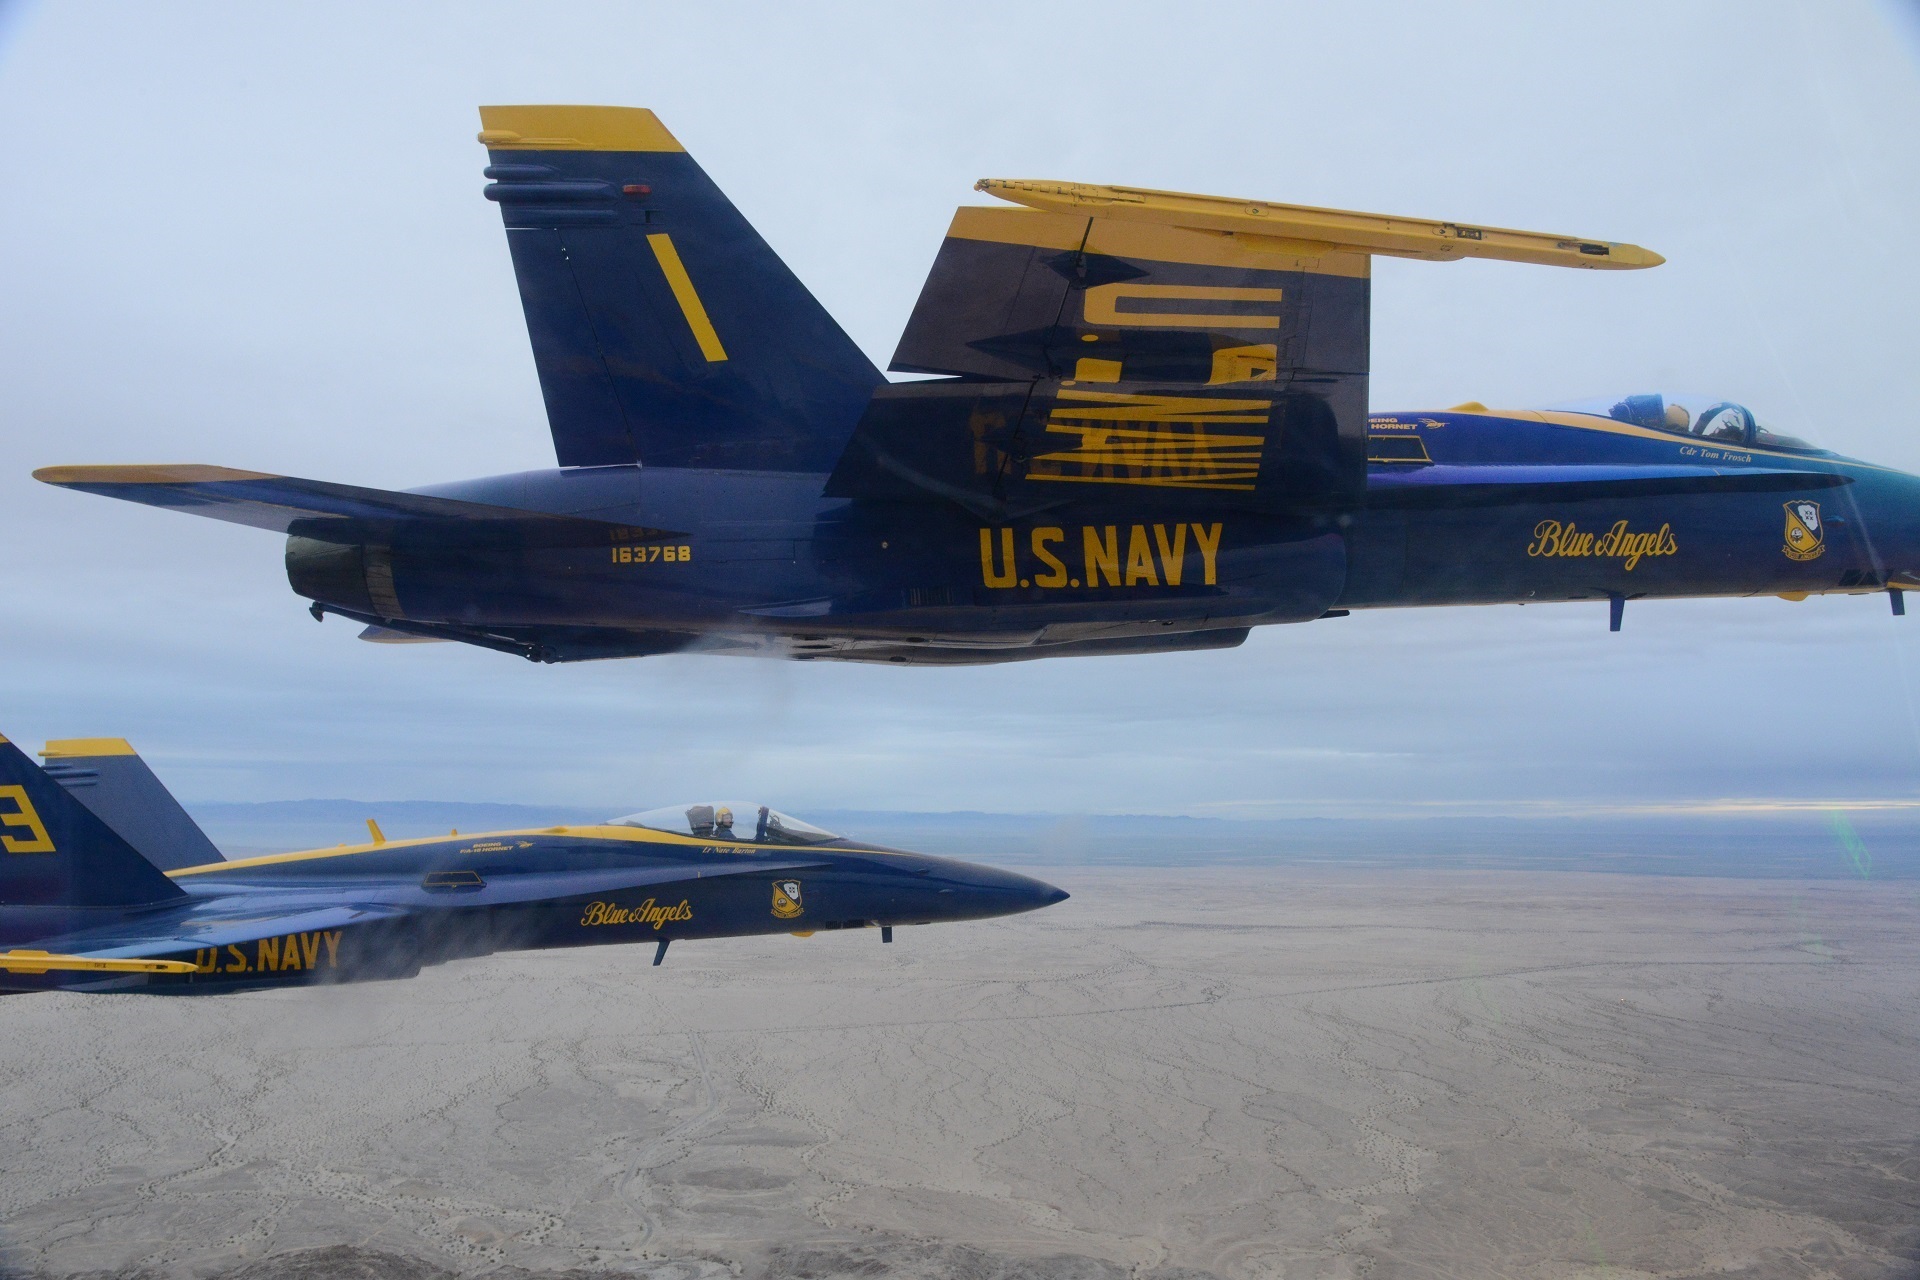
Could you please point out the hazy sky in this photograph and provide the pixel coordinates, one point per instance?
(253, 235)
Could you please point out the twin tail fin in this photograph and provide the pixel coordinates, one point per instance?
(55, 852)
(665, 330)
(108, 776)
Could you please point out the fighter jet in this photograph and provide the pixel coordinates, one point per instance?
(85, 905)
(1142, 424)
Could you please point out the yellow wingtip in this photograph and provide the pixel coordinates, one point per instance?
(147, 473)
(1334, 230)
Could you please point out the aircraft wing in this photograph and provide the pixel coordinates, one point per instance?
(278, 503)
(1119, 342)
(231, 934)
(212, 923)
(1445, 485)
(29, 961)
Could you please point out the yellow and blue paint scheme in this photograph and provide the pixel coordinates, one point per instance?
(1143, 424)
(82, 909)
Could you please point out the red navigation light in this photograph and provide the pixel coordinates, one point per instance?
(636, 189)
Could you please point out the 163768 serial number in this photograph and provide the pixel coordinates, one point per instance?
(651, 553)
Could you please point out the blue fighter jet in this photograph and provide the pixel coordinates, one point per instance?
(1146, 428)
(97, 892)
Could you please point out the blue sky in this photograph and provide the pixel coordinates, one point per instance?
(253, 235)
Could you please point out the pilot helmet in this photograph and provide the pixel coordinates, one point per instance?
(724, 816)
(1678, 419)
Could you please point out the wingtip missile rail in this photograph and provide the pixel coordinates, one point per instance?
(26, 961)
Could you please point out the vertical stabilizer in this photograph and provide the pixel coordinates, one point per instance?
(664, 328)
(54, 852)
(115, 784)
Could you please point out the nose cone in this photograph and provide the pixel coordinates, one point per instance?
(1010, 893)
(957, 890)
(1042, 893)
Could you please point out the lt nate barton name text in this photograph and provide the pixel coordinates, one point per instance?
(1141, 555)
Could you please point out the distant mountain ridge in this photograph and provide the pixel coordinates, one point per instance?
(1873, 844)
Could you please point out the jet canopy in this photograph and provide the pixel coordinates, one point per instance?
(729, 820)
(1712, 418)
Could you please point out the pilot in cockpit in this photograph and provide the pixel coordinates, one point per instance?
(1723, 421)
(723, 824)
(1653, 411)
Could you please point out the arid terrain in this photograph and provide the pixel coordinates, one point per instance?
(1230, 1072)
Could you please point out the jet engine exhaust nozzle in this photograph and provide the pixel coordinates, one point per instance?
(354, 576)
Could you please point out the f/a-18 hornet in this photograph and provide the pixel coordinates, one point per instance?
(107, 885)
(1148, 429)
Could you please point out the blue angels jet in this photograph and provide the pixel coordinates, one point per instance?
(107, 885)
(1147, 428)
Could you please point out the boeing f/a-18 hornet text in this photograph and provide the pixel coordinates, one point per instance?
(107, 885)
(1148, 430)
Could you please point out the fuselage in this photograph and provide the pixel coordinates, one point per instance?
(384, 910)
(757, 560)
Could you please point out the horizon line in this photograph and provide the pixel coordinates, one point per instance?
(1265, 810)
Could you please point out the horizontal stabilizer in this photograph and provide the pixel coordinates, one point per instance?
(1468, 486)
(278, 503)
(387, 635)
(552, 643)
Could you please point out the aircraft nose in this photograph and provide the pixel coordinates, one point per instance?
(966, 891)
(1028, 893)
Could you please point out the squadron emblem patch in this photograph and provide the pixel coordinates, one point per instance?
(786, 899)
(1806, 536)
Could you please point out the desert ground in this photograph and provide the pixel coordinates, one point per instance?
(1234, 1072)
